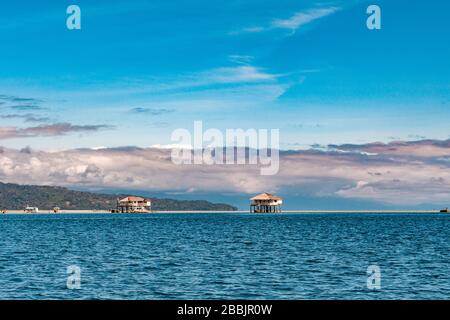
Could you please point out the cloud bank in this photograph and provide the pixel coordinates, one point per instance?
(400, 173)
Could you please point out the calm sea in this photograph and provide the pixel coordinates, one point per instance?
(229, 256)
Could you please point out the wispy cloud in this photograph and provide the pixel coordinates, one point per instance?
(151, 111)
(26, 117)
(239, 74)
(294, 22)
(21, 103)
(302, 18)
(16, 99)
(198, 81)
(241, 59)
(26, 107)
(56, 129)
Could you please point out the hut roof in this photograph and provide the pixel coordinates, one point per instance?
(265, 196)
(132, 198)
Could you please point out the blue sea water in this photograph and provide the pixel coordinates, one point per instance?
(226, 256)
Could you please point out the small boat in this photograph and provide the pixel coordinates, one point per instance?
(446, 210)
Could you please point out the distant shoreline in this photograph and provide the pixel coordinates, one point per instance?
(208, 211)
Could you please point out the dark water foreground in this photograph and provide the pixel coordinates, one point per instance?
(230, 256)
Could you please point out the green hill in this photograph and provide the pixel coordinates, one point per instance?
(17, 197)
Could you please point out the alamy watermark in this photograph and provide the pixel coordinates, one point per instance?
(234, 146)
(74, 277)
(373, 277)
(374, 20)
(73, 21)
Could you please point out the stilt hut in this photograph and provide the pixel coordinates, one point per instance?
(133, 204)
(266, 203)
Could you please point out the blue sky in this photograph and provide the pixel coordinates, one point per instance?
(140, 69)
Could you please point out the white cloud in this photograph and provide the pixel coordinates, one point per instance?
(302, 18)
(296, 21)
(238, 74)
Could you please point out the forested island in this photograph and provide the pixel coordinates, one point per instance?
(17, 197)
